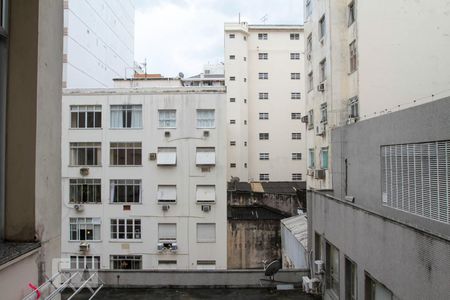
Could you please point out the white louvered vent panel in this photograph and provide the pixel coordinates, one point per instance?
(415, 179)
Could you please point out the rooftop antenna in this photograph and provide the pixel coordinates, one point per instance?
(264, 18)
(145, 67)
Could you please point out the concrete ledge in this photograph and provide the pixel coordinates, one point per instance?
(195, 278)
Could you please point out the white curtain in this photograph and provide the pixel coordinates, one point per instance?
(116, 118)
(136, 118)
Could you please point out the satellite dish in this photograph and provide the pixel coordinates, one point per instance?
(272, 268)
(181, 75)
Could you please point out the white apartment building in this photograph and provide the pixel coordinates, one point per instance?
(265, 87)
(98, 42)
(212, 75)
(144, 182)
(365, 59)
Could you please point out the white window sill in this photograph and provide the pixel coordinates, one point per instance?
(81, 128)
(121, 166)
(116, 241)
(127, 128)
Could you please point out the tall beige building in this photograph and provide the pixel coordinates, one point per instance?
(265, 82)
(364, 60)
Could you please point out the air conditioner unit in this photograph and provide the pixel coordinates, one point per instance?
(351, 120)
(310, 286)
(206, 133)
(79, 207)
(320, 129)
(84, 171)
(305, 119)
(206, 208)
(321, 87)
(174, 247)
(84, 247)
(319, 174)
(160, 246)
(167, 133)
(165, 207)
(152, 156)
(318, 267)
(310, 172)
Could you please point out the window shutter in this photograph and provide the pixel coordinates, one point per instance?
(206, 156)
(206, 193)
(167, 192)
(167, 232)
(206, 233)
(167, 156)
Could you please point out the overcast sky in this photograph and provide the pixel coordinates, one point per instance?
(183, 35)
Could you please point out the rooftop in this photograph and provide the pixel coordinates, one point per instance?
(257, 212)
(298, 226)
(271, 187)
(146, 91)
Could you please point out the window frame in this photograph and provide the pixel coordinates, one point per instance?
(164, 201)
(295, 55)
(332, 276)
(310, 81)
(126, 184)
(88, 111)
(295, 76)
(264, 156)
(351, 12)
(88, 186)
(263, 116)
(263, 76)
(296, 156)
(353, 56)
(351, 279)
(77, 225)
(212, 121)
(263, 36)
(323, 70)
(263, 96)
(135, 260)
(204, 240)
(324, 113)
(263, 56)
(264, 176)
(296, 95)
(128, 113)
(296, 116)
(311, 158)
(135, 224)
(296, 177)
(263, 136)
(135, 148)
(75, 155)
(296, 135)
(353, 107)
(324, 160)
(167, 118)
(83, 260)
(322, 27)
(294, 36)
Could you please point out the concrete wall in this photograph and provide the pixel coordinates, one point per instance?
(294, 256)
(285, 203)
(186, 213)
(394, 247)
(250, 242)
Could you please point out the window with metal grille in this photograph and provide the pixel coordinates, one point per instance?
(85, 154)
(264, 116)
(263, 96)
(263, 56)
(296, 176)
(125, 229)
(296, 116)
(296, 96)
(262, 36)
(126, 154)
(295, 56)
(264, 136)
(295, 76)
(263, 75)
(125, 191)
(294, 36)
(126, 116)
(263, 156)
(85, 262)
(85, 116)
(126, 262)
(264, 176)
(416, 179)
(85, 190)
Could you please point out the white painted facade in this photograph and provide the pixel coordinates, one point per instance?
(394, 69)
(193, 252)
(98, 42)
(252, 51)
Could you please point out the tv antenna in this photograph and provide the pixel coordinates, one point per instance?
(264, 18)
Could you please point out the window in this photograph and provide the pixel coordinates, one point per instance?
(232, 57)
(324, 158)
(296, 176)
(310, 119)
(126, 116)
(263, 75)
(85, 154)
(167, 118)
(245, 122)
(351, 288)
(323, 113)
(126, 229)
(295, 76)
(322, 27)
(296, 156)
(125, 191)
(264, 116)
(415, 179)
(233, 165)
(167, 156)
(264, 156)
(245, 165)
(295, 56)
(167, 262)
(263, 56)
(375, 290)
(264, 177)
(296, 116)
(231, 35)
(85, 116)
(323, 70)
(206, 193)
(232, 143)
(206, 264)
(126, 262)
(85, 190)
(262, 36)
(332, 267)
(232, 78)
(308, 9)
(264, 136)
(294, 36)
(232, 99)
(245, 58)
(309, 47)
(351, 13)
(85, 262)
(206, 233)
(353, 108)
(245, 100)
(317, 246)
(84, 229)
(245, 79)
(206, 156)
(125, 154)
(245, 144)
(167, 232)
(353, 56)
(232, 122)
(263, 96)
(311, 159)
(167, 194)
(310, 82)
(296, 96)
(296, 136)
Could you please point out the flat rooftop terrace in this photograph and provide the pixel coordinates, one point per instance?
(194, 293)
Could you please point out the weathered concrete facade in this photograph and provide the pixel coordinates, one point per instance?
(408, 254)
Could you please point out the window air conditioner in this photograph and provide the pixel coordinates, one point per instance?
(167, 133)
(84, 246)
(165, 207)
(310, 172)
(174, 247)
(319, 174)
(79, 207)
(351, 120)
(160, 246)
(206, 208)
(84, 171)
(321, 87)
(152, 156)
(320, 129)
(206, 133)
(305, 119)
